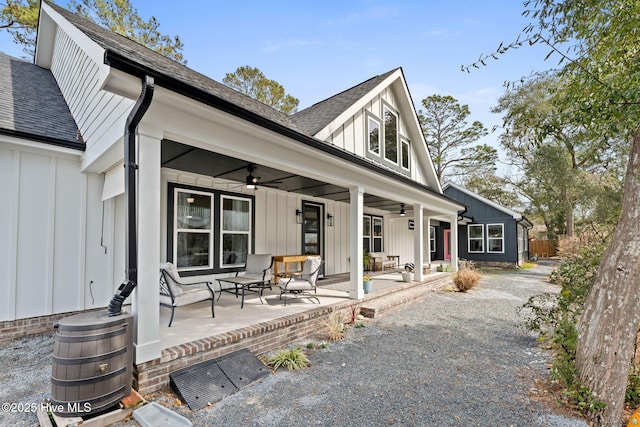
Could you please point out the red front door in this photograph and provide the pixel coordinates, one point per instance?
(447, 244)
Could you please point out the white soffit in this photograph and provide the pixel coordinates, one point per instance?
(113, 182)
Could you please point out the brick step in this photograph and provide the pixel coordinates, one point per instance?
(377, 307)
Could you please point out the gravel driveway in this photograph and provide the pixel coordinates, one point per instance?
(451, 359)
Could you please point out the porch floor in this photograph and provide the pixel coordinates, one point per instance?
(194, 321)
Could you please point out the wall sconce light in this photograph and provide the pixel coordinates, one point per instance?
(190, 199)
(330, 220)
(298, 216)
(402, 211)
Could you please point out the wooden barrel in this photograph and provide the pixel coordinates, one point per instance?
(92, 363)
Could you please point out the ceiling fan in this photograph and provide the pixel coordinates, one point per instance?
(252, 181)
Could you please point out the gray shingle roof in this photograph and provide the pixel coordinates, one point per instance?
(318, 116)
(32, 106)
(151, 60)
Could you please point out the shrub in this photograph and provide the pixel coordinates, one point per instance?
(335, 328)
(293, 359)
(466, 278)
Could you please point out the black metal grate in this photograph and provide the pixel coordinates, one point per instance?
(210, 381)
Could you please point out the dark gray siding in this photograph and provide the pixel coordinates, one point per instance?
(485, 214)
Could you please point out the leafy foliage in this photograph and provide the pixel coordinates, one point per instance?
(121, 17)
(291, 358)
(449, 138)
(20, 18)
(554, 318)
(252, 82)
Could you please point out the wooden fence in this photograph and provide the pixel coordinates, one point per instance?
(543, 248)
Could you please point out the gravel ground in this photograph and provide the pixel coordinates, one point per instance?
(451, 359)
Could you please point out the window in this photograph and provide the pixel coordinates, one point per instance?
(208, 231)
(235, 231)
(377, 234)
(374, 136)
(432, 238)
(495, 238)
(193, 229)
(390, 135)
(366, 233)
(372, 233)
(476, 237)
(404, 154)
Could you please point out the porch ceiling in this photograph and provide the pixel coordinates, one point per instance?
(192, 159)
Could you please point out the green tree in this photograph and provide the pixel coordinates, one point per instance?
(252, 82)
(598, 42)
(498, 189)
(554, 154)
(20, 18)
(450, 138)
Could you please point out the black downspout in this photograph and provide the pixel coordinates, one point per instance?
(135, 116)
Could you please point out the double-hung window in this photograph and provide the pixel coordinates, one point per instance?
(495, 238)
(372, 233)
(193, 235)
(432, 238)
(208, 230)
(475, 233)
(235, 230)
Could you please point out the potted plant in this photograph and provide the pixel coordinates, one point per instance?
(407, 274)
(366, 260)
(366, 284)
(442, 268)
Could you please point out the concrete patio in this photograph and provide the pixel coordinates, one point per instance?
(194, 322)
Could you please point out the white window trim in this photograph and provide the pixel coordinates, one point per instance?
(475, 238)
(383, 153)
(432, 241)
(370, 117)
(177, 230)
(403, 142)
(489, 251)
(223, 231)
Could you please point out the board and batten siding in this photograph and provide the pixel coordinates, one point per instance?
(351, 135)
(276, 230)
(42, 227)
(100, 115)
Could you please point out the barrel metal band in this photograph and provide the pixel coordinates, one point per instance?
(83, 338)
(92, 402)
(88, 359)
(90, 380)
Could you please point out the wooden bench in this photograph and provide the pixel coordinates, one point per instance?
(381, 259)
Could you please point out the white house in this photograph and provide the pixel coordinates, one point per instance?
(353, 161)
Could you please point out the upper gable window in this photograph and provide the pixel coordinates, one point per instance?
(373, 130)
(404, 154)
(390, 135)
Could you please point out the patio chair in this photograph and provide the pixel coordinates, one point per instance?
(257, 276)
(304, 282)
(176, 293)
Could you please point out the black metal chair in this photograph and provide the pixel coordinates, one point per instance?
(176, 293)
(304, 283)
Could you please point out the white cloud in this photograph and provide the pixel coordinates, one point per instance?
(270, 46)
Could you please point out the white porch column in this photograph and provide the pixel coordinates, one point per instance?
(428, 245)
(418, 241)
(355, 241)
(146, 298)
(454, 242)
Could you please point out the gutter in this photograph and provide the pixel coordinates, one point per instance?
(124, 64)
(135, 116)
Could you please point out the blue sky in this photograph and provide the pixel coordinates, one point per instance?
(317, 49)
